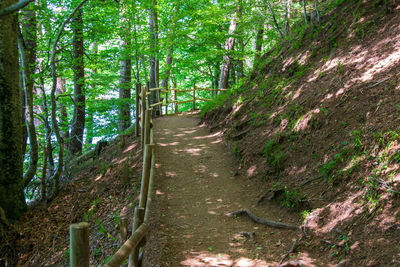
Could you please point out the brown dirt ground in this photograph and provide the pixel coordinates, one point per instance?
(195, 188)
(99, 190)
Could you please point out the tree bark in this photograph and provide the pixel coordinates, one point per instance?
(12, 199)
(152, 79)
(170, 52)
(229, 45)
(153, 52)
(288, 5)
(78, 121)
(27, 48)
(125, 88)
(60, 90)
(274, 19)
(259, 42)
(305, 12)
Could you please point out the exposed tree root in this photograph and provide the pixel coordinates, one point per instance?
(291, 250)
(264, 221)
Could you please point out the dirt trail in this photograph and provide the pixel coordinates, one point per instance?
(196, 187)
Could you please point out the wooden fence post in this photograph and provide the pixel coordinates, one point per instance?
(194, 96)
(176, 100)
(137, 221)
(148, 150)
(143, 110)
(79, 245)
(123, 227)
(166, 101)
(147, 127)
(137, 109)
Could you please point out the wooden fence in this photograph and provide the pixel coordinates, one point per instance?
(79, 233)
(130, 248)
(174, 92)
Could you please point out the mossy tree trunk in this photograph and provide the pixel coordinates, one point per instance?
(78, 121)
(12, 199)
(125, 69)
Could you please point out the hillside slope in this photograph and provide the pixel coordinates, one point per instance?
(96, 190)
(319, 122)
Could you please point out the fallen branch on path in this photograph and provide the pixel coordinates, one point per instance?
(291, 250)
(263, 221)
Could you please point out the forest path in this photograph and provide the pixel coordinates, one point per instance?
(195, 188)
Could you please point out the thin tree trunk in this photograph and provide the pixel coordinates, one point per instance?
(89, 128)
(317, 12)
(89, 116)
(137, 61)
(125, 88)
(229, 45)
(23, 118)
(125, 69)
(240, 62)
(27, 47)
(48, 131)
(12, 200)
(259, 42)
(153, 64)
(60, 90)
(143, 62)
(305, 12)
(274, 19)
(60, 140)
(28, 86)
(288, 6)
(78, 121)
(170, 52)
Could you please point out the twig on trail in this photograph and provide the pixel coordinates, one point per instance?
(264, 221)
(311, 180)
(378, 83)
(291, 250)
(385, 184)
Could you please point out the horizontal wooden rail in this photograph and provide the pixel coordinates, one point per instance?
(156, 89)
(203, 99)
(156, 104)
(123, 252)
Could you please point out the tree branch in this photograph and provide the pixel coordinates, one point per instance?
(15, 7)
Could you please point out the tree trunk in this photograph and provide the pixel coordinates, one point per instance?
(12, 200)
(305, 12)
(125, 88)
(240, 62)
(152, 81)
(229, 45)
(60, 90)
(78, 121)
(274, 19)
(288, 5)
(23, 114)
(27, 47)
(259, 42)
(153, 63)
(170, 52)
